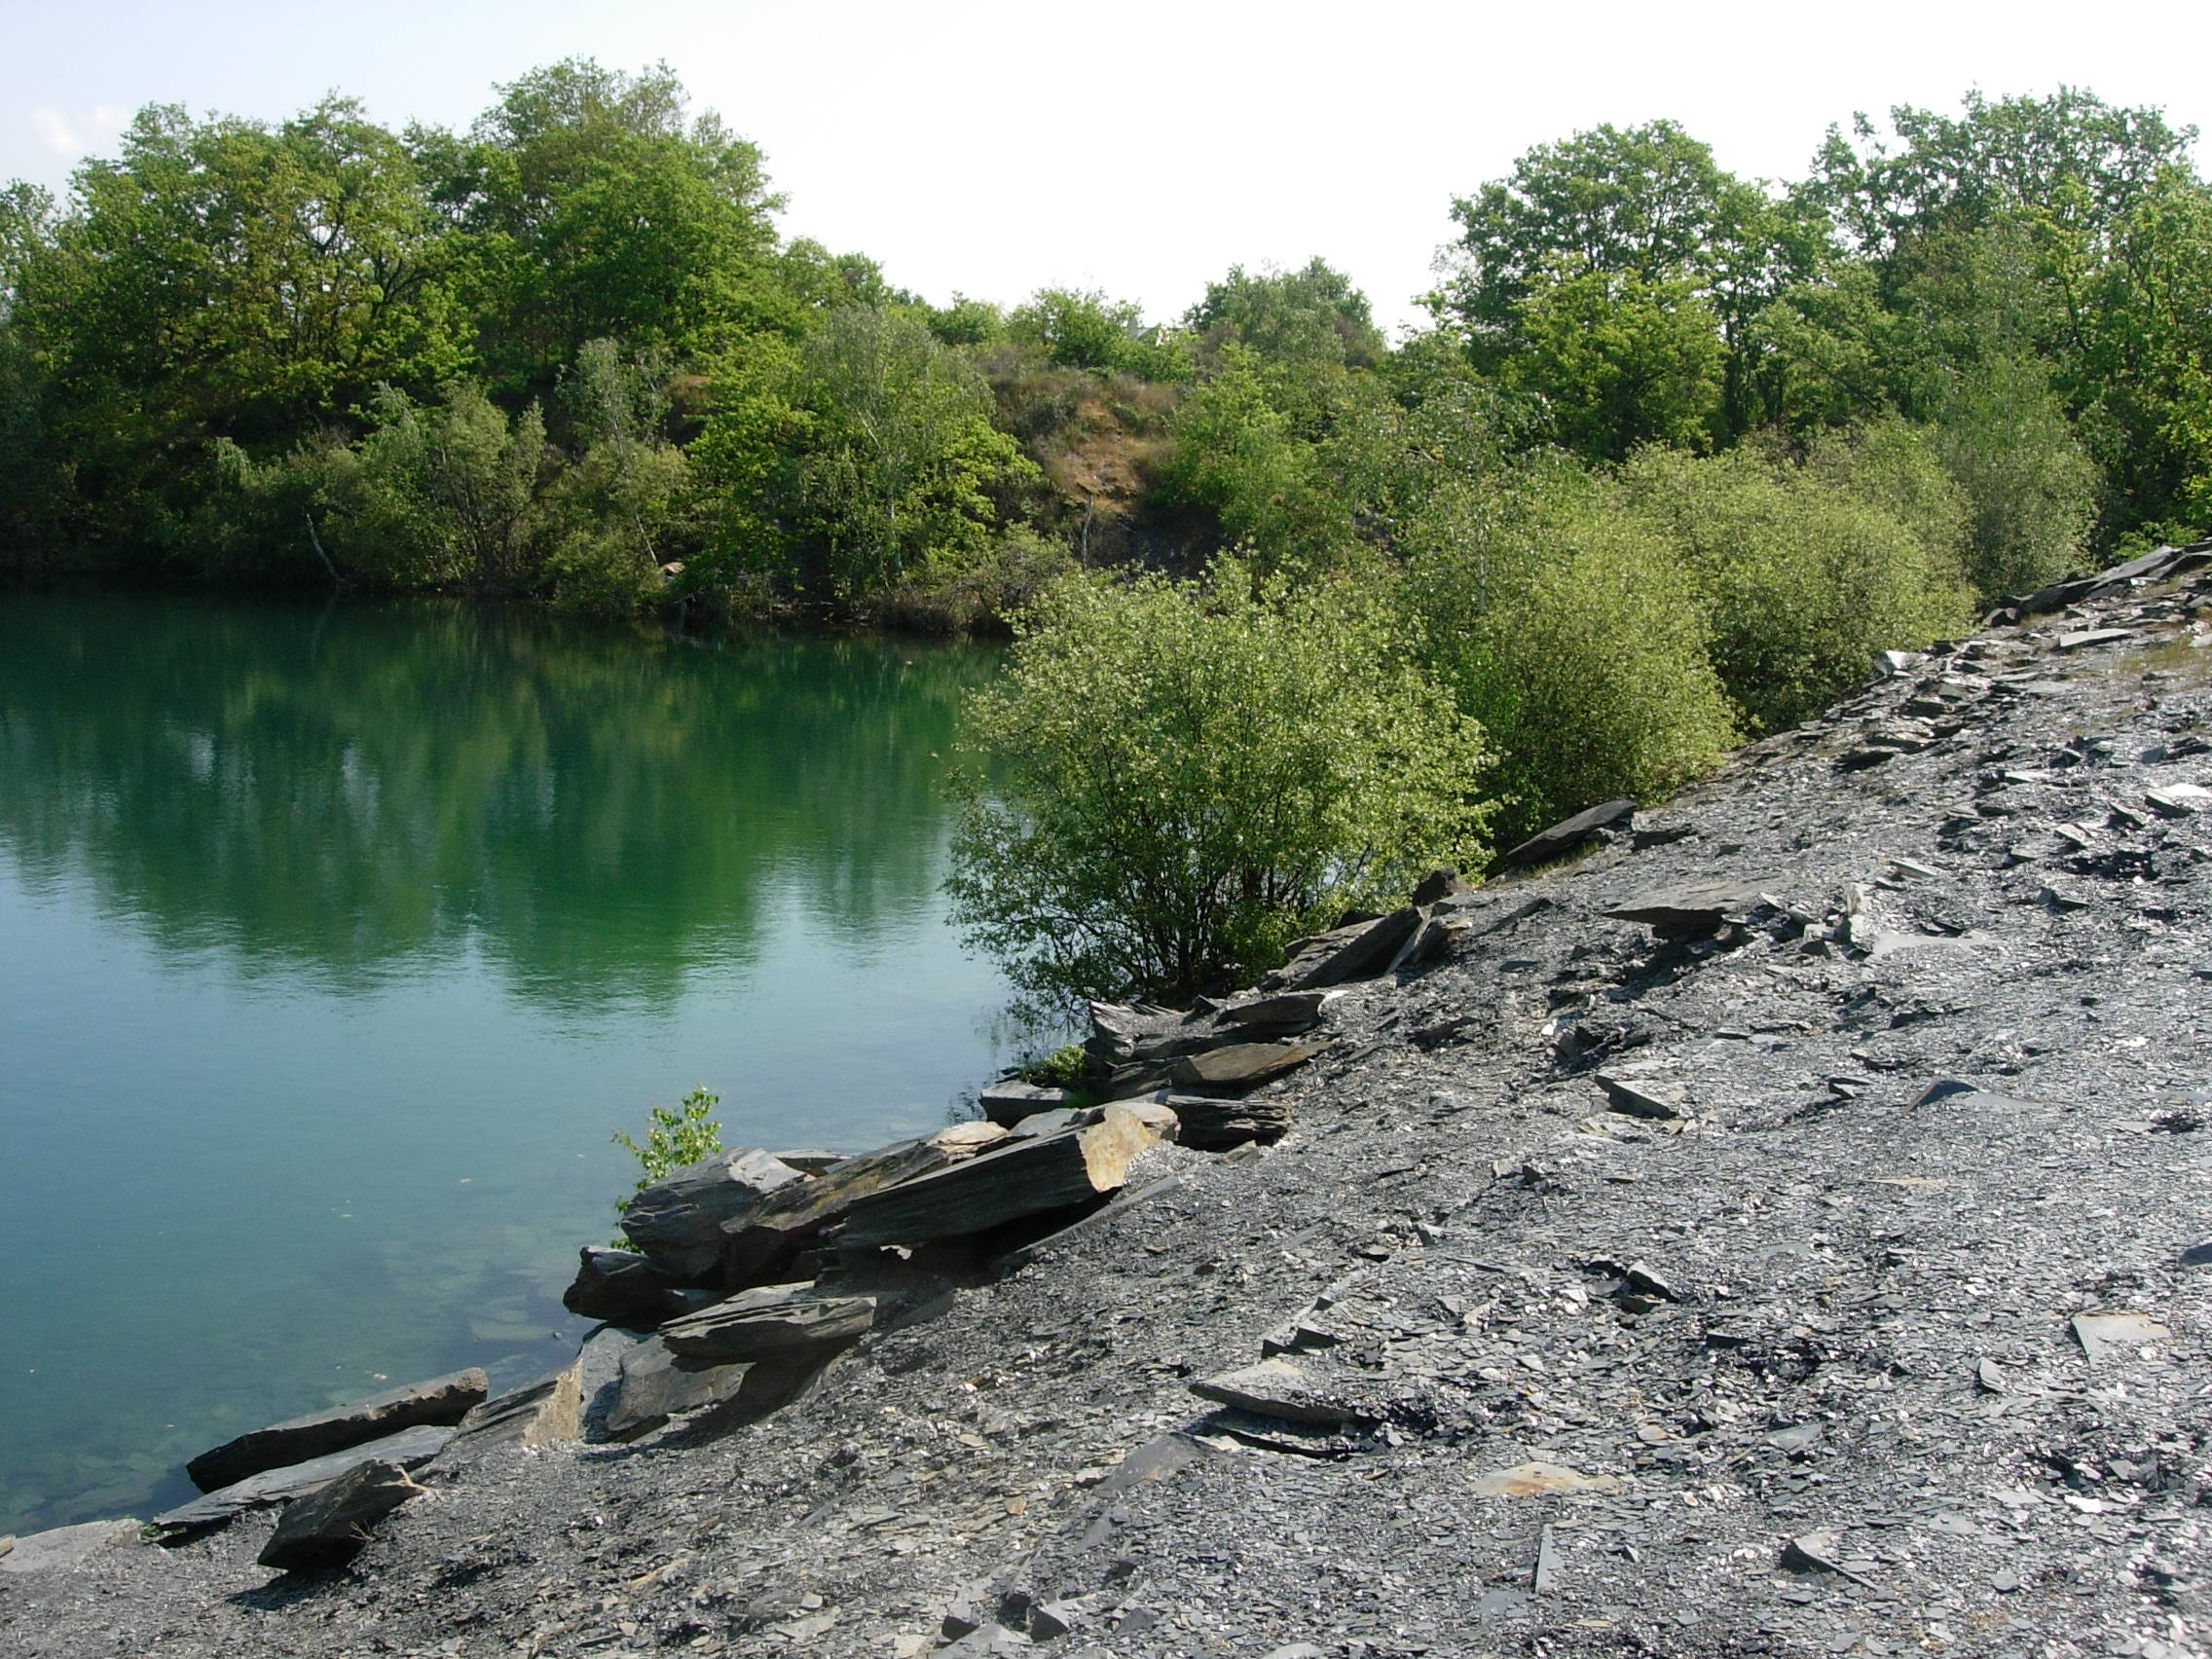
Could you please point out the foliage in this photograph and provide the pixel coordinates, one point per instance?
(1566, 627)
(674, 1137)
(1174, 780)
(1803, 575)
(1082, 329)
(1311, 314)
(1063, 1068)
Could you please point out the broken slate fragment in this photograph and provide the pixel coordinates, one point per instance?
(1819, 1552)
(768, 1322)
(1006, 1104)
(1242, 1065)
(329, 1527)
(2116, 1336)
(1538, 1479)
(1681, 914)
(677, 1221)
(1638, 1098)
(1275, 1387)
(409, 1448)
(2197, 1255)
(441, 1401)
(1567, 834)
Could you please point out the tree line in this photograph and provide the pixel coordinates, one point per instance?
(1673, 454)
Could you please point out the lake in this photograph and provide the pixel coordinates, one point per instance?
(336, 942)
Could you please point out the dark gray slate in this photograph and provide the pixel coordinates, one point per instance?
(441, 1400)
(1008, 1103)
(678, 1222)
(655, 1386)
(759, 1246)
(539, 1413)
(1341, 957)
(1690, 912)
(329, 1526)
(768, 1322)
(410, 1447)
(1567, 834)
(65, 1546)
(623, 1288)
(1242, 1065)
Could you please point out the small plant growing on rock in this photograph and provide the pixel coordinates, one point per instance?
(674, 1137)
(1062, 1068)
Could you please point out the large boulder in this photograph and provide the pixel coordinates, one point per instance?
(677, 1221)
(1025, 1176)
(623, 1288)
(441, 1400)
(329, 1526)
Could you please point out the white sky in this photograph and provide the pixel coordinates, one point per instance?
(1142, 148)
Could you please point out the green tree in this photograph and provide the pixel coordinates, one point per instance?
(1174, 780)
(1313, 313)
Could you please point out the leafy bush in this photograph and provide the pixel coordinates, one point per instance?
(1175, 779)
(1802, 581)
(1570, 631)
(674, 1137)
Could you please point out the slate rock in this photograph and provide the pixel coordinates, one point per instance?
(440, 1400)
(1275, 1387)
(987, 1642)
(1364, 953)
(1567, 834)
(1691, 912)
(329, 1527)
(410, 1449)
(759, 1246)
(1539, 1479)
(655, 1386)
(1288, 1014)
(1242, 1065)
(2108, 1337)
(1437, 886)
(769, 1322)
(1210, 1124)
(2197, 1255)
(537, 1414)
(66, 1547)
(677, 1221)
(1008, 1103)
(1642, 1097)
(623, 1288)
(1025, 1176)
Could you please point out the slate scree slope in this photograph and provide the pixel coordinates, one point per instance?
(1774, 1222)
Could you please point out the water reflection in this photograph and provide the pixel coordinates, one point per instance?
(333, 946)
(332, 795)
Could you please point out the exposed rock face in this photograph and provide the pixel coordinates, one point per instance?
(678, 1222)
(329, 1526)
(441, 1400)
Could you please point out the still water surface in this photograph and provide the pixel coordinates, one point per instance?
(334, 944)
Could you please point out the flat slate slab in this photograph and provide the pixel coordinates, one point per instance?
(441, 1400)
(410, 1449)
(766, 1324)
(66, 1546)
(1567, 834)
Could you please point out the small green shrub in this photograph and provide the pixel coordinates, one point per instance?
(674, 1137)
(1062, 1068)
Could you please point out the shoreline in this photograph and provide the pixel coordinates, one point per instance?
(1745, 1289)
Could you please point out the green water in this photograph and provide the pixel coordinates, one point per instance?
(335, 942)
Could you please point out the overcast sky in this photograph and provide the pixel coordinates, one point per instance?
(1141, 148)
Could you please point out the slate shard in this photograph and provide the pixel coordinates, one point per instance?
(440, 1401)
(1569, 834)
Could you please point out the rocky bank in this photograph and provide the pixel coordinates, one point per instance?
(1781, 1223)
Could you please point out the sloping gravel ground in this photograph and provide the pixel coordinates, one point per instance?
(1808, 1367)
